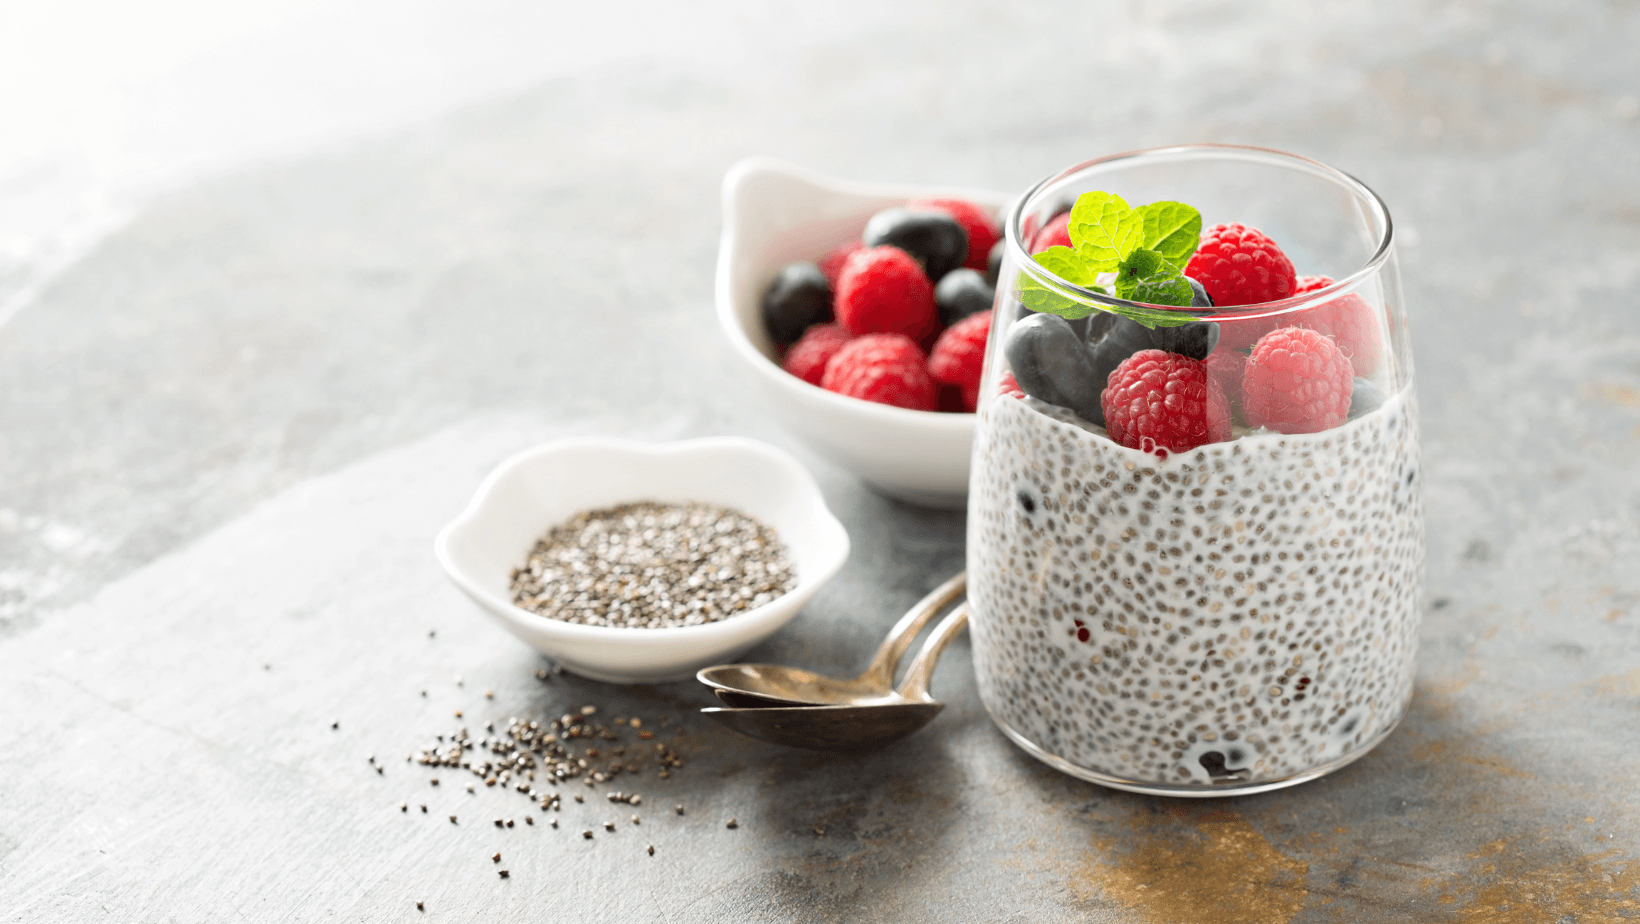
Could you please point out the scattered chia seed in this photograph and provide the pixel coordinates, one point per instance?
(652, 566)
(503, 873)
(732, 824)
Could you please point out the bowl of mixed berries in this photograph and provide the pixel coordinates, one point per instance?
(863, 312)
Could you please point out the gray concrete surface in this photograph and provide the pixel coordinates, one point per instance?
(228, 435)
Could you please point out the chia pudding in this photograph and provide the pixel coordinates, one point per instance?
(1232, 615)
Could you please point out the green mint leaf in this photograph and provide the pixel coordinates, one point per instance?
(1147, 276)
(1039, 297)
(1172, 229)
(1067, 265)
(1104, 230)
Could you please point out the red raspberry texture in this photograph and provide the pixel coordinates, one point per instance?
(959, 356)
(1348, 320)
(1238, 265)
(883, 290)
(1297, 381)
(982, 234)
(807, 357)
(831, 265)
(885, 368)
(1056, 233)
(1163, 402)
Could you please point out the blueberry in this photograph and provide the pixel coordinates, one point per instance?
(1127, 337)
(1195, 340)
(934, 239)
(1365, 398)
(993, 263)
(961, 293)
(798, 297)
(1198, 295)
(1080, 325)
(1051, 363)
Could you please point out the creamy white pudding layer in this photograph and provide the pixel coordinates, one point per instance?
(1242, 612)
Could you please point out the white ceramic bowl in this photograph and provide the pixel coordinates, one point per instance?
(773, 214)
(545, 486)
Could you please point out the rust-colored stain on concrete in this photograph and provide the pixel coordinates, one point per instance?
(1218, 869)
(1517, 887)
(1625, 684)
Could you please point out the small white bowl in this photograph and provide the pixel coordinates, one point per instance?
(540, 488)
(773, 214)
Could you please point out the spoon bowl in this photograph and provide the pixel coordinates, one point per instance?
(853, 727)
(774, 685)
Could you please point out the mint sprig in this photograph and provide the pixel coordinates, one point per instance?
(1147, 248)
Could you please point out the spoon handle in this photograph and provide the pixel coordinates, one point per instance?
(917, 676)
(893, 648)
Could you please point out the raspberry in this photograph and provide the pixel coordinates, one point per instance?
(1348, 320)
(808, 356)
(1238, 265)
(982, 235)
(1009, 387)
(832, 263)
(883, 290)
(1161, 402)
(1297, 381)
(1056, 233)
(885, 368)
(959, 356)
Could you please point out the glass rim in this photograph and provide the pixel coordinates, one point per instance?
(1239, 152)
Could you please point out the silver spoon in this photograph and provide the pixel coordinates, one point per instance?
(749, 686)
(862, 726)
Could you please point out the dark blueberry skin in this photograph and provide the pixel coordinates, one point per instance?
(934, 239)
(1365, 398)
(1080, 325)
(1198, 295)
(993, 264)
(1051, 362)
(961, 293)
(798, 297)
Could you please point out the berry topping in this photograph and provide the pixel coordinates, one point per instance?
(1228, 367)
(1348, 320)
(937, 241)
(1056, 233)
(808, 356)
(982, 234)
(1009, 386)
(1297, 381)
(959, 356)
(961, 293)
(1163, 402)
(798, 297)
(883, 290)
(1366, 398)
(832, 263)
(1126, 337)
(1198, 294)
(993, 263)
(1052, 363)
(1238, 265)
(885, 368)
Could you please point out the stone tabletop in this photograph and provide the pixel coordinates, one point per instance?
(229, 433)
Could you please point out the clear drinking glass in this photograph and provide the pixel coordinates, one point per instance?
(1237, 617)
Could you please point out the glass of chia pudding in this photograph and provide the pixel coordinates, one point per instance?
(1195, 531)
